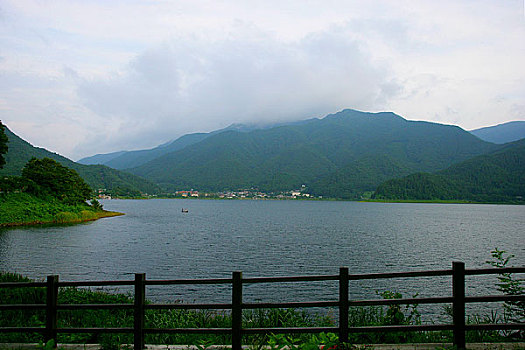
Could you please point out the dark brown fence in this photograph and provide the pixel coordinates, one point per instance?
(457, 300)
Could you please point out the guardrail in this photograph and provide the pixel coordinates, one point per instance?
(458, 301)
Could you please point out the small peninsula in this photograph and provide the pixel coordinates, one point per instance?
(47, 193)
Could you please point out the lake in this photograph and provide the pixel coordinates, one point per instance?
(269, 238)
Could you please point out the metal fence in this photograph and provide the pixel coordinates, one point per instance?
(457, 300)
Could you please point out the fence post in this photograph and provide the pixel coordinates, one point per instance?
(140, 299)
(237, 310)
(51, 308)
(343, 305)
(458, 304)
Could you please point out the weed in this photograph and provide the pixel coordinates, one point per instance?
(49, 345)
(509, 285)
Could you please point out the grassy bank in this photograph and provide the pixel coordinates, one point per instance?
(18, 209)
(359, 316)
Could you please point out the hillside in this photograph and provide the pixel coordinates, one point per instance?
(341, 155)
(494, 177)
(97, 176)
(502, 133)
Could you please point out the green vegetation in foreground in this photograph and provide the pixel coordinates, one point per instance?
(47, 192)
(358, 316)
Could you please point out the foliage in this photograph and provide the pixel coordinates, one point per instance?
(509, 285)
(420, 186)
(3, 144)
(312, 342)
(49, 345)
(56, 180)
(395, 315)
(13, 184)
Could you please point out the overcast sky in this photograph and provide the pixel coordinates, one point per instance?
(82, 77)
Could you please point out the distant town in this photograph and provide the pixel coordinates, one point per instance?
(240, 194)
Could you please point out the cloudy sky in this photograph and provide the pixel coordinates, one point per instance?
(82, 77)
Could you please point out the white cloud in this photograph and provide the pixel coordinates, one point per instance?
(192, 85)
(90, 77)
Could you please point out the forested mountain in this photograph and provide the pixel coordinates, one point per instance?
(341, 155)
(132, 159)
(502, 133)
(97, 176)
(495, 177)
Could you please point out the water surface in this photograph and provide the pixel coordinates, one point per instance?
(269, 238)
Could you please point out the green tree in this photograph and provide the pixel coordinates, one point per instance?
(56, 180)
(3, 144)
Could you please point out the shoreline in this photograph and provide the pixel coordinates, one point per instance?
(421, 201)
(436, 201)
(98, 214)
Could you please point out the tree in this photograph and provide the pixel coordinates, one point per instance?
(3, 144)
(57, 181)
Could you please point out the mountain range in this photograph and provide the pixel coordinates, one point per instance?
(340, 155)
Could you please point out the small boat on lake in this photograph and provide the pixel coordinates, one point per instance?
(184, 210)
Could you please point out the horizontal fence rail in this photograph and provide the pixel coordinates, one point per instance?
(458, 300)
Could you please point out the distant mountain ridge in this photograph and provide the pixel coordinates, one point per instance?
(100, 158)
(339, 156)
(502, 133)
(131, 159)
(97, 176)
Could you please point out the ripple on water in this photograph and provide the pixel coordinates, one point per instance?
(270, 238)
